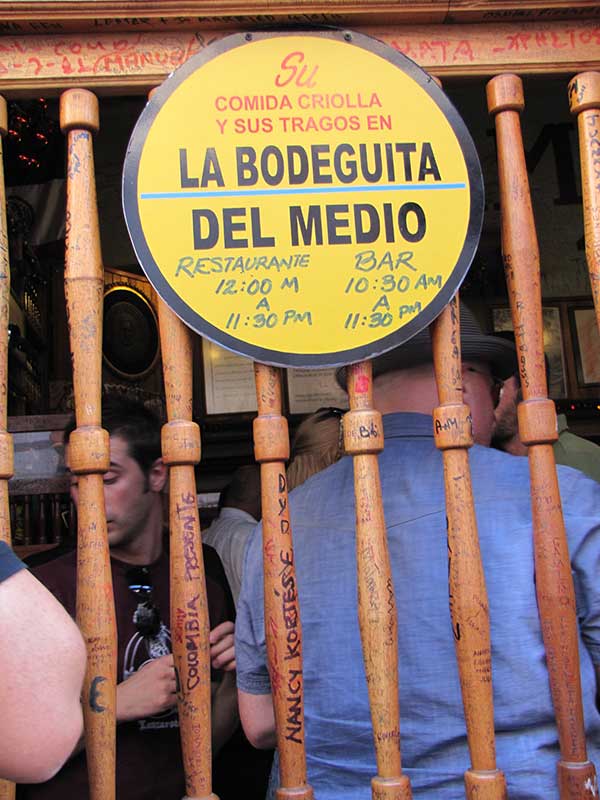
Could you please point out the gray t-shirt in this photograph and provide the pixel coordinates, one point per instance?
(229, 534)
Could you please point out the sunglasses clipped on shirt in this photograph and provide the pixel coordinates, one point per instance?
(330, 411)
(146, 617)
(496, 383)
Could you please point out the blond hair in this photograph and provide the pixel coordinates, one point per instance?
(317, 444)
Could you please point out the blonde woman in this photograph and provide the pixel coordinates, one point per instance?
(317, 443)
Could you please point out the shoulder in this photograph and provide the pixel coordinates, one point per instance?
(579, 493)
(497, 475)
(322, 491)
(507, 469)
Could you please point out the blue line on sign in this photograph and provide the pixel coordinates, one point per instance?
(397, 187)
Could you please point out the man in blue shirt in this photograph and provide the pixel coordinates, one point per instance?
(340, 751)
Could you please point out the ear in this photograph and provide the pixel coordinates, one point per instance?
(157, 476)
(472, 391)
(466, 385)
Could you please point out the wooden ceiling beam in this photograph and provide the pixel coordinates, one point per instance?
(38, 16)
(113, 63)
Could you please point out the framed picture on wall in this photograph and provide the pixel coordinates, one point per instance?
(228, 381)
(553, 345)
(586, 345)
(310, 389)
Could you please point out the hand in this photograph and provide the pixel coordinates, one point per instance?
(148, 691)
(222, 649)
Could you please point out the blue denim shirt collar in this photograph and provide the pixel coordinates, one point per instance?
(407, 425)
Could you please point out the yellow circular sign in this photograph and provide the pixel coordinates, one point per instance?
(303, 199)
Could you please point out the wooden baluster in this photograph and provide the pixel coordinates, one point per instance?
(584, 101)
(468, 596)
(7, 789)
(72, 521)
(27, 538)
(189, 605)
(181, 451)
(467, 590)
(376, 600)
(56, 519)
(42, 519)
(13, 512)
(282, 618)
(538, 430)
(89, 455)
(18, 529)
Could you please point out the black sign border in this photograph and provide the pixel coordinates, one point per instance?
(280, 358)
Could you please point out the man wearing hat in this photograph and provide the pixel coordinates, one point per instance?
(569, 449)
(339, 739)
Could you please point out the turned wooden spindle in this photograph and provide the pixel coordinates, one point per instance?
(584, 102)
(27, 528)
(88, 451)
(190, 624)
(538, 430)
(282, 615)
(42, 519)
(7, 789)
(57, 535)
(468, 595)
(363, 439)
(189, 606)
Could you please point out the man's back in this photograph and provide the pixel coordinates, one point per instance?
(338, 729)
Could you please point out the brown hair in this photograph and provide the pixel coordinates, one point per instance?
(134, 423)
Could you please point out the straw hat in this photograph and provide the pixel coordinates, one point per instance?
(475, 346)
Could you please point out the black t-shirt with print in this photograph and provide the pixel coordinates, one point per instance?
(149, 761)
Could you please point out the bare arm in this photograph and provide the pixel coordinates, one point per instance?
(258, 719)
(42, 662)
